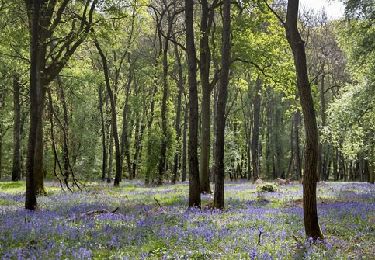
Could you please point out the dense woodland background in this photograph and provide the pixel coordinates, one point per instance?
(143, 45)
(115, 91)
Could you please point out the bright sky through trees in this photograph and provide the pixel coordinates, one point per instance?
(334, 9)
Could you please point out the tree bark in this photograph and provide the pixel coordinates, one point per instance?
(221, 105)
(16, 168)
(310, 179)
(194, 182)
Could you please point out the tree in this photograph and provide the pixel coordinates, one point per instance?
(311, 156)
(16, 168)
(194, 182)
(52, 56)
(221, 105)
(255, 161)
(34, 8)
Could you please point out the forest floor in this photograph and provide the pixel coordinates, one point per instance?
(154, 223)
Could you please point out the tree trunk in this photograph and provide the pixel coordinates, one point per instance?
(56, 161)
(255, 137)
(194, 182)
(16, 168)
(118, 175)
(180, 84)
(125, 132)
(205, 59)
(296, 145)
(277, 141)
(184, 144)
(221, 105)
(1, 153)
(311, 157)
(67, 169)
(104, 143)
(36, 111)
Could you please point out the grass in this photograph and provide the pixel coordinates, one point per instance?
(154, 223)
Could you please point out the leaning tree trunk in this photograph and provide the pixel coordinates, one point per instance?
(194, 183)
(311, 157)
(220, 106)
(16, 168)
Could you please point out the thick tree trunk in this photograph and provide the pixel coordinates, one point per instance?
(194, 182)
(255, 161)
(36, 100)
(205, 59)
(310, 178)
(103, 132)
(16, 168)
(118, 175)
(221, 106)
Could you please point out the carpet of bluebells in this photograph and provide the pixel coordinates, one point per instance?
(154, 223)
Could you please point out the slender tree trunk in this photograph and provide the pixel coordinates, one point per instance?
(255, 161)
(67, 169)
(310, 178)
(221, 105)
(184, 144)
(149, 131)
(180, 84)
(164, 107)
(104, 143)
(16, 168)
(322, 147)
(1, 153)
(118, 175)
(56, 161)
(269, 111)
(125, 152)
(296, 148)
(194, 182)
(35, 105)
(110, 158)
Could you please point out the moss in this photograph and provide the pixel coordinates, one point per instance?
(266, 188)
